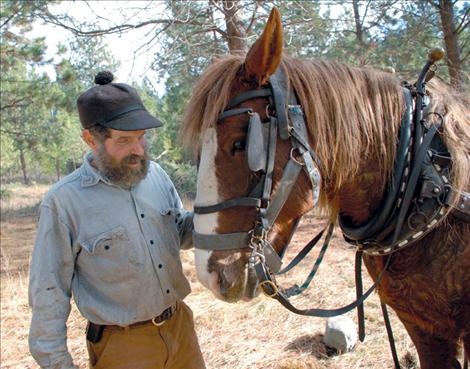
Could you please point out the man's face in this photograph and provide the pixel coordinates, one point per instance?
(123, 158)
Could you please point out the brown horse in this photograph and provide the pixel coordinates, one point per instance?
(353, 117)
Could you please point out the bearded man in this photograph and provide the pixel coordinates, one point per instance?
(109, 234)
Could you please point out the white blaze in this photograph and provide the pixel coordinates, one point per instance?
(207, 194)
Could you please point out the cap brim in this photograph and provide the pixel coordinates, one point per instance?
(134, 121)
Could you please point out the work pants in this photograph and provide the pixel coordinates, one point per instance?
(172, 345)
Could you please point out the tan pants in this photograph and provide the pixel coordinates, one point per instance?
(172, 345)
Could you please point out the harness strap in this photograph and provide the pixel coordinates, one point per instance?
(249, 95)
(410, 189)
(296, 289)
(224, 241)
(306, 249)
(359, 290)
(232, 112)
(268, 181)
(240, 201)
(278, 83)
(460, 202)
(270, 288)
(284, 189)
(391, 340)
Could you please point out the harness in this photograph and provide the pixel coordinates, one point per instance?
(417, 198)
(260, 151)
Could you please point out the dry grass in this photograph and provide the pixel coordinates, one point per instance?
(256, 335)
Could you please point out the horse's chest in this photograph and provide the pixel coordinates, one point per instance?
(427, 284)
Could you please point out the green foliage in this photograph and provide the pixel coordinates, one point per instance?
(40, 127)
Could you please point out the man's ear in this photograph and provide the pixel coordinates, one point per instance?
(89, 139)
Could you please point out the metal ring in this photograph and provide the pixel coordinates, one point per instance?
(294, 158)
(440, 124)
(267, 111)
(273, 286)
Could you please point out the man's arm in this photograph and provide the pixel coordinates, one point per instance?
(51, 271)
(185, 228)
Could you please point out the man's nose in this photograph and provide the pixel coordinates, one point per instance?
(138, 148)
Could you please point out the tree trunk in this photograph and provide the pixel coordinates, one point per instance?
(236, 35)
(23, 167)
(359, 32)
(451, 41)
(57, 168)
(357, 22)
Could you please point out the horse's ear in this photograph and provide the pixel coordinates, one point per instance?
(265, 55)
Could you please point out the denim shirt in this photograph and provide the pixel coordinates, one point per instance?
(115, 250)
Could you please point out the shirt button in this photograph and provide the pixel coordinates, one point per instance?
(142, 215)
(167, 291)
(160, 266)
(151, 242)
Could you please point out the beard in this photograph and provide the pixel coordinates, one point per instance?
(118, 171)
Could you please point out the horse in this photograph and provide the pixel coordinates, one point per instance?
(347, 150)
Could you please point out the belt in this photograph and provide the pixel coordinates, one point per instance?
(157, 321)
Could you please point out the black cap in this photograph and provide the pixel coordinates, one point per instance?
(114, 105)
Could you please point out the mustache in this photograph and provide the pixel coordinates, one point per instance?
(134, 159)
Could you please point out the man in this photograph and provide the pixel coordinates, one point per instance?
(109, 234)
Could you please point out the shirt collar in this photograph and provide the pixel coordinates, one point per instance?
(90, 175)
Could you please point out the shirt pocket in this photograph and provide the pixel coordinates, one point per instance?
(108, 256)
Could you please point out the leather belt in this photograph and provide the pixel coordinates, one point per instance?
(157, 321)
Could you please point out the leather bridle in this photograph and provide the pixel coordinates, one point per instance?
(288, 121)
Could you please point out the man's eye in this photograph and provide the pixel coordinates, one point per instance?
(238, 146)
(123, 141)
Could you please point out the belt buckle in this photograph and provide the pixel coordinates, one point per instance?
(166, 314)
(158, 324)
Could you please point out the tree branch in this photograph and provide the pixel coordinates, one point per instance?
(463, 23)
(52, 19)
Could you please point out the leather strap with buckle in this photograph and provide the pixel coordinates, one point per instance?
(164, 316)
(157, 321)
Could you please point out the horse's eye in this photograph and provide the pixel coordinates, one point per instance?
(238, 146)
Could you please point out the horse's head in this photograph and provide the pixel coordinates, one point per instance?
(242, 113)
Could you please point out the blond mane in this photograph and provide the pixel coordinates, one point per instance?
(351, 113)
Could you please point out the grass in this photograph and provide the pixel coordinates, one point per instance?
(257, 335)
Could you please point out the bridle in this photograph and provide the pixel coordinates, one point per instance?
(288, 121)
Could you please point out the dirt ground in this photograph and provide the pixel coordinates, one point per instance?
(257, 335)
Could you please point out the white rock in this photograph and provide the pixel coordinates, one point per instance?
(340, 333)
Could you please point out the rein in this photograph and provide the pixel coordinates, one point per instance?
(422, 166)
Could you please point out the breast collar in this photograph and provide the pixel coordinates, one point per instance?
(420, 194)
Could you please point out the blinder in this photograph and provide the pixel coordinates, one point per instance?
(257, 143)
(287, 121)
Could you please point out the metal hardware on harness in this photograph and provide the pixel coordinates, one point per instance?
(272, 285)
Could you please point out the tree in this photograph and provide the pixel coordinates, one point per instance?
(21, 87)
(451, 31)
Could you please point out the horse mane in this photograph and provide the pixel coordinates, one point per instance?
(352, 114)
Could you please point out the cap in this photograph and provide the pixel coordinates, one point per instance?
(114, 105)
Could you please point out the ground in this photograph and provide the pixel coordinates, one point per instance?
(257, 335)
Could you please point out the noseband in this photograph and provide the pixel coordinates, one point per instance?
(288, 120)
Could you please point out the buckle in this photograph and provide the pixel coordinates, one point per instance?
(164, 316)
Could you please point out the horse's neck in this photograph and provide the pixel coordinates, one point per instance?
(360, 197)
